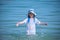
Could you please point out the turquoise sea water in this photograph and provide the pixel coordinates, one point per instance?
(12, 11)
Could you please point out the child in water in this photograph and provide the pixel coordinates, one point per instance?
(31, 22)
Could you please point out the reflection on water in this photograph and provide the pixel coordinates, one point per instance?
(20, 37)
(12, 11)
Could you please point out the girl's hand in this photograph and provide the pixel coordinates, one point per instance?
(45, 23)
(17, 24)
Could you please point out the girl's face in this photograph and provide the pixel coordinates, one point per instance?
(31, 15)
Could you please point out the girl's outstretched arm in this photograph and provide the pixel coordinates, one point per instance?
(42, 23)
(19, 23)
(22, 22)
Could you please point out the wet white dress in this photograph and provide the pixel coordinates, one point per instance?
(31, 29)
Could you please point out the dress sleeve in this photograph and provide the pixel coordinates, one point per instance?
(25, 21)
(37, 21)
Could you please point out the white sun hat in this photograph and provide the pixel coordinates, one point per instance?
(32, 11)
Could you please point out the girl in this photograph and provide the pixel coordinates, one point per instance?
(31, 22)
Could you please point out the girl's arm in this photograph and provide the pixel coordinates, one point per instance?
(19, 23)
(24, 21)
(42, 23)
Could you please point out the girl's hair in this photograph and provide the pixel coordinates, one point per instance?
(29, 17)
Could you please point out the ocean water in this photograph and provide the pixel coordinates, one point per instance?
(13, 11)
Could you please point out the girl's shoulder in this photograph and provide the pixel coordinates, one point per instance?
(36, 19)
(26, 18)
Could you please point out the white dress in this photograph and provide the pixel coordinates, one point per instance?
(31, 29)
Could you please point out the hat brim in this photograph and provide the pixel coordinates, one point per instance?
(33, 12)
